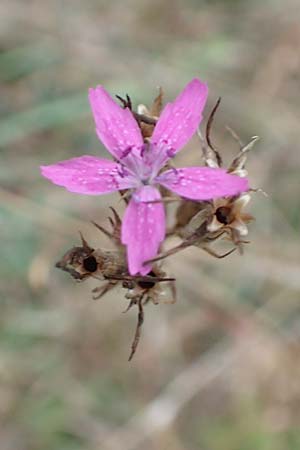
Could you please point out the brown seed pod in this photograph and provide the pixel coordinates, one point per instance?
(83, 262)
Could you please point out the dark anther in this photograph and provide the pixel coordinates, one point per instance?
(223, 215)
(90, 264)
(147, 284)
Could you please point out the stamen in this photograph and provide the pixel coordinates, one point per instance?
(122, 171)
(171, 152)
(143, 149)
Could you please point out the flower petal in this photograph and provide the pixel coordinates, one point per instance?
(115, 126)
(88, 175)
(143, 229)
(179, 120)
(202, 183)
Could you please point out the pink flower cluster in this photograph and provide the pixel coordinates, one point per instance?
(139, 167)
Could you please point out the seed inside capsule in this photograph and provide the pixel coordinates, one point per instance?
(90, 264)
(147, 284)
(223, 215)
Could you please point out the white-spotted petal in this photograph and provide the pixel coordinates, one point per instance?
(143, 229)
(202, 183)
(115, 126)
(89, 175)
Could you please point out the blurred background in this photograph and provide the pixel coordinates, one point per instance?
(218, 370)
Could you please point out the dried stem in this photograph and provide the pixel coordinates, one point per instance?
(208, 130)
(102, 290)
(140, 322)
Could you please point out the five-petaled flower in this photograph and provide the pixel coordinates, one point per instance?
(138, 166)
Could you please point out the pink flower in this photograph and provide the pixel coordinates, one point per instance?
(138, 167)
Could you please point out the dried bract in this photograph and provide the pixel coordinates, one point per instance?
(228, 214)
